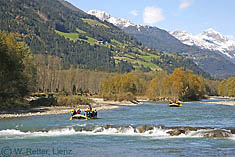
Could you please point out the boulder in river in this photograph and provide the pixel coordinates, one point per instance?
(188, 128)
(150, 128)
(107, 126)
(217, 134)
(142, 128)
(176, 132)
(232, 131)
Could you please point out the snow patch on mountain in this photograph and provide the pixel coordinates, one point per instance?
(209, 39)
(119, 22)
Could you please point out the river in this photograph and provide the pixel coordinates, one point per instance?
(116, 132)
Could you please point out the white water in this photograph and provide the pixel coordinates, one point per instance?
(156, 132)
(20, 134)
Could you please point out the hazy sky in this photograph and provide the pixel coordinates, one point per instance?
(193, 16)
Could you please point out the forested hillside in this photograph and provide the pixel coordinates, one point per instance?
(57, 28)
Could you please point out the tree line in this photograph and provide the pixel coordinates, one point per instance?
(52, 77)
(181, 84)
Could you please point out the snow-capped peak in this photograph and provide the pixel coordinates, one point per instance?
(102, 15)
(208, 39)
(119, 22)
(211, 33)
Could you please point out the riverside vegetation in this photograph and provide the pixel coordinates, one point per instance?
(23, 73)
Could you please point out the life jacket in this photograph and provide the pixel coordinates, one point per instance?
(88, 111)
(73, 112)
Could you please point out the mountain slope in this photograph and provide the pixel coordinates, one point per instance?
(210, 60)
(157, 38)
(55, 27)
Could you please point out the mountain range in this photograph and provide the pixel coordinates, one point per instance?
(209, 39)
(212, 51)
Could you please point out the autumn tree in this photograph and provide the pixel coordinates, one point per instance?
(227, 87)
(157, 86)
(181, 84)
(122, 85)
(194, 88)
(211, 86)
(186, 85)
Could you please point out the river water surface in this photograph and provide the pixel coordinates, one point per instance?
(116, 133)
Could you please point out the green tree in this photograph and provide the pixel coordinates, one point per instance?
(16, 69)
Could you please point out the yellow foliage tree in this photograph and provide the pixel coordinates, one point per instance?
(156, 87)
(180, 84)
(227, 87)
(122, 84)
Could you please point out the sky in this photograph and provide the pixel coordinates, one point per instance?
(193, 16)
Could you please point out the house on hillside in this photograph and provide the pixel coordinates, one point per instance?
(99, 42)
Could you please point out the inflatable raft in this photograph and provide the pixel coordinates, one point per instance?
(175, 105)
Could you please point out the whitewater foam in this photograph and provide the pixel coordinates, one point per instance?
(54, 132)
(155, 132)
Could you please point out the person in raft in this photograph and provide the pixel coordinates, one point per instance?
(95, 113)
(78, 111)
(177, 102)
(89, 111)
(73, 112)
